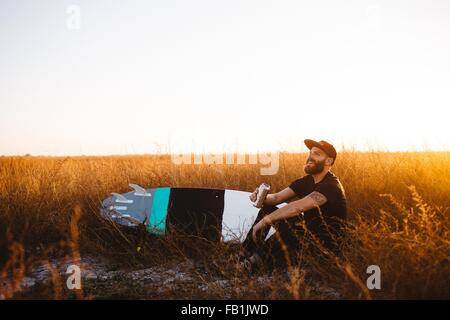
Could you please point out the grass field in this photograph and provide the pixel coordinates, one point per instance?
(398, 203)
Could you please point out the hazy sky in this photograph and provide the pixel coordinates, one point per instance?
(147, 76)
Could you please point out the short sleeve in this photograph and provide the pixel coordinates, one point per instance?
(330, 190)
(299, 185)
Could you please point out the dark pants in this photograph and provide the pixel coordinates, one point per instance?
(282, 247)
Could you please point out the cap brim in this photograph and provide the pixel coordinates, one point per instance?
(311, 143)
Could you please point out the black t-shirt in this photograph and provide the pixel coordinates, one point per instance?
(326, 223)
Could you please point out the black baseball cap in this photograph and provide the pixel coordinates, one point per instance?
(322, 145)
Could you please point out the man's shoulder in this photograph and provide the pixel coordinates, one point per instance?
(331, 178)
(332, 182)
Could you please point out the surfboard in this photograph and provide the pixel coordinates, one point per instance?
(214, 214)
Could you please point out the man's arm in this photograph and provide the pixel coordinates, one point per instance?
(314, 199)
(279, 197)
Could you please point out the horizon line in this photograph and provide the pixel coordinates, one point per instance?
(209, 153)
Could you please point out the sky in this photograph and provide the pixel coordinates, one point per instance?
(133, 77)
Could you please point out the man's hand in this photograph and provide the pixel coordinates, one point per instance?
(254, 195)
(259, 226)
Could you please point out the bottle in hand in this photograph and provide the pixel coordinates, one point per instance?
(260, 195)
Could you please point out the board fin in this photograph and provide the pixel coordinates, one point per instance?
(120, 208)
(139, 191)
(120, 198)
(127, 217)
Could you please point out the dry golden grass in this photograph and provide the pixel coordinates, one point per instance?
(398, 202)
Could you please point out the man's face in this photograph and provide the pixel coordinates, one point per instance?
(316, 161)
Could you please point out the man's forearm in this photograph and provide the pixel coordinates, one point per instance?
(271, 200)
(285, 212)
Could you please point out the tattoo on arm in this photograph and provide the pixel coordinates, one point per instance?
(318, 198)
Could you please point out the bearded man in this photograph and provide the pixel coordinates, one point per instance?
(318, 214)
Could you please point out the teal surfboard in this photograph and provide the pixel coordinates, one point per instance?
(215, 214)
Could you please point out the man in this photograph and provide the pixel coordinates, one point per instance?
(319, 212)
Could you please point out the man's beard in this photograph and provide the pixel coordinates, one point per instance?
(315, 167)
